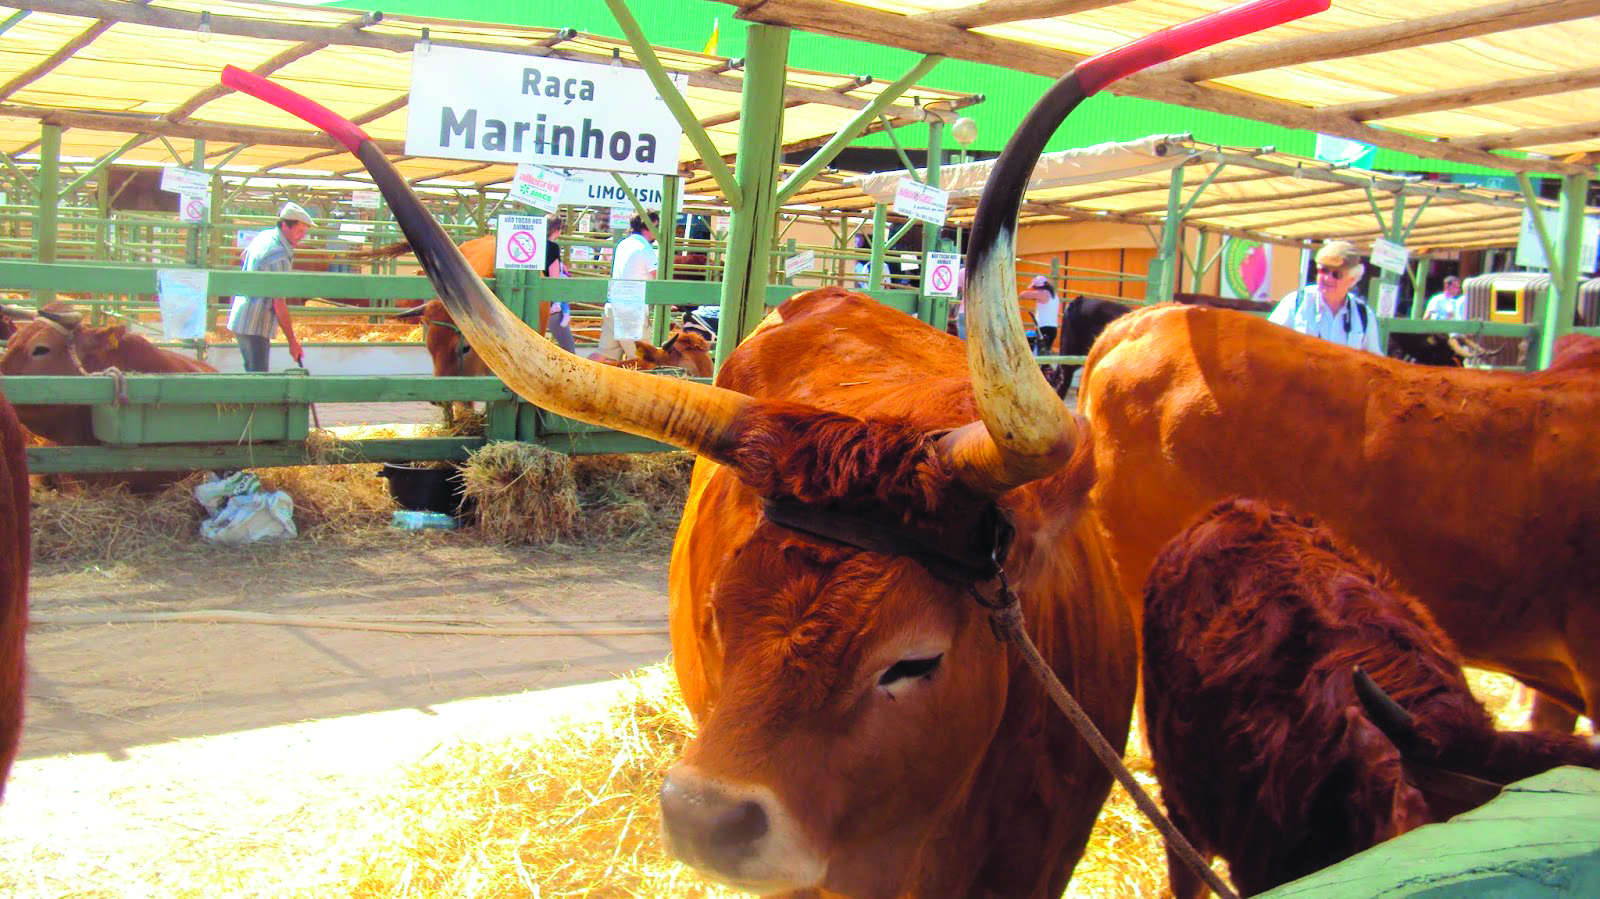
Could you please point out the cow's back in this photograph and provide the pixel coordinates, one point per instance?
(1475, 489)
(15, 543)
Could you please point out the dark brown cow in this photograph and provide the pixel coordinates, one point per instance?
(47, 347)
(683, 349)
(1254, 621)
(15, 549)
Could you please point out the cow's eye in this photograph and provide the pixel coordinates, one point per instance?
(40, 350)
(910, 669)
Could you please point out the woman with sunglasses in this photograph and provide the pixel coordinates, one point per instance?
(1329, 308)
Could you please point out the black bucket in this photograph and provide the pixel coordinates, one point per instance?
(425, 488)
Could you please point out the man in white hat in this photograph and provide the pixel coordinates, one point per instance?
(255, 320)
(1329, 308)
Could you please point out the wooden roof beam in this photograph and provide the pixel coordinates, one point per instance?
(893, 30)
(996, 12)
(83, 39)
(1398, 35)
(1470, 95)
(1236, 201)
(1532, 137)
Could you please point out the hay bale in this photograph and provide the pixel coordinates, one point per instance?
(573, 814)
(524, 493)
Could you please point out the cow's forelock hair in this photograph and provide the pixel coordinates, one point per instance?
(883, 467)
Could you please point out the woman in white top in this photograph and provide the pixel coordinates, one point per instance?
(1328, 308)
(1046, 313)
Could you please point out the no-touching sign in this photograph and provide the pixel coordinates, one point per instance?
(944, 273)
(519, 242)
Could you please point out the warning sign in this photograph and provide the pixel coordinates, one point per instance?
(192, 208)
(519, 241)
(944, 274)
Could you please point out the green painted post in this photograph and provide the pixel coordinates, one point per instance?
(1158, 285)
(749, 260)
(668, 237)
(102, 208)
(1419, 286)
(930, 308)
(47, 188)
(191, 236)
(880, 237)
(1563, 300)
(1396, 234)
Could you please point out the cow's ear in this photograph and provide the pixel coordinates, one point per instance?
(105, 339)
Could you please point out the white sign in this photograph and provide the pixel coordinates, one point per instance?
(944, 273)
(921, 202)
(1388, 299)
(1530, 252)
(507, 107)
(720, 224)
(628, 311)
(365, 199)
(355, 232)
(182, 299)
(802, 262)
(1390, 256)
(192, 207)
(582, 254)
(185, 181)
(600, 189)
(537, 186)
(243, 238)
(519, 241)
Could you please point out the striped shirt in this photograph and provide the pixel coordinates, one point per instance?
(268, 252)
(1355, 325)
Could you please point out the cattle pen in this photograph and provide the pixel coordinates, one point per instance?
(336, 751)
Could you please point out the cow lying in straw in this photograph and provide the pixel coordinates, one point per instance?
(1253, 623)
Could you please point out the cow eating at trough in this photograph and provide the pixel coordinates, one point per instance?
(1254, 621)
(57, 342)
(1476, 490)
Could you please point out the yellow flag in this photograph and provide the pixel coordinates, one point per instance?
(711, 42)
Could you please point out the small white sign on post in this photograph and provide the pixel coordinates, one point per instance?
(519, 241)
(182, 299)
(628, 310)
(192, 207)
(801, 262)
(921, 202)
(1388, 299)
(1530, 251)
(591, 189)
(243, 238)
(582, 254)
(365, 199)
(185, 181)
(720, 224)
(537, 186)
(944, 274)
(1390, 256)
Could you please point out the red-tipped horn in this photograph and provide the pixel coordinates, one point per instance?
(1026, 431)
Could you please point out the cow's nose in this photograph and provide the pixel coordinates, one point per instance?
(708, 828)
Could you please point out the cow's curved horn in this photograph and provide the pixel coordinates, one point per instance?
(692, 416)
(413, 312)
(1026, 431)
(1395, 722)
(21, 313)
(65, 319)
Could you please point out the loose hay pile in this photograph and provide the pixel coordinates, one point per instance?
(103, 526)
(527, 494)
(571, 815)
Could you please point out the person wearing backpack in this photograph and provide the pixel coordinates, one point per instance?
(1329, 308)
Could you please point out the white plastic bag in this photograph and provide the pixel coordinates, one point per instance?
(250, 518)
(213, 493)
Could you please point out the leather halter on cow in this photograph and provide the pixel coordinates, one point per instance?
(858, 720)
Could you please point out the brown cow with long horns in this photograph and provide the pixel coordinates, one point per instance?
(861, 730)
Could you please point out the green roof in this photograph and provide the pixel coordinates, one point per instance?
(687, 24)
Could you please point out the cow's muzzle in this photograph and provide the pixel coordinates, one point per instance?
(738, 834)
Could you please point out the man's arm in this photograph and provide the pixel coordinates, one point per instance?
(280, 308)
(1284, 311)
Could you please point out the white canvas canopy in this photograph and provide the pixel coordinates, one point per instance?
(1085, 165)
